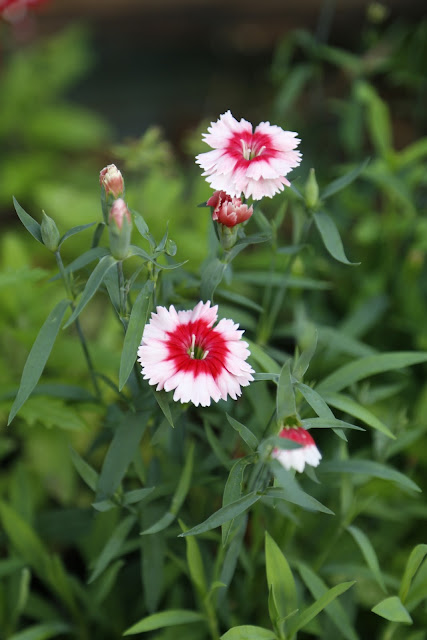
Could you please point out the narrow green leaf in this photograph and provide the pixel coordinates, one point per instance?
(143, 229)
(331, 237)
(120, 453)
(279, 578)
(74, 231)
(97, 235)
(329, 423)
(418, 554)
(113, 546)
(195, 563)
(233, 490)
(303, 362)
(369, 366)
(24, 539)
(29, 223)
(369, 468)
(244, 242)
(164, 619)
(392, 609)
(178, 497)
(96, 253)
(38, 356)
(137, 251)
(224, 514)
(369, 554)
(348, 405)
(285, 397)
(92, 285)
(334, 610)
(137, 321)
(85, 471)
(316, 401)
(302, 619)
(137, 495)
(263, 359)
(344, 181)
(212, 274)
(162, 400)
(245, 433)
(249, 632)
(290, 490)
(106, 582)
(42, 631)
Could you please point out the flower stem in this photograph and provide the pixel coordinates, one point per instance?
(80, 333)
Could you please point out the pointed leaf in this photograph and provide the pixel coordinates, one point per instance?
(304, 359)
(344, 181)
(233, 490)
(38, 356)
(334, 610)
(195, 563)
(279, 578)
(369, 468)
(290, 490)
(369, 366)
(369, 554)
(42, 631)
(113, 546)
(74, 230)
(120, 453)
(137, 322)
(392, 609)
(162, 400)
(85, 471)
(417, 556)
(86, 258)
(92, 285)
(303, 618)
(29, 223)
(285, 397)
(249, 632)
(164, 619)
(331, 237)
(245, 433)
(224, 514)
(348, 405)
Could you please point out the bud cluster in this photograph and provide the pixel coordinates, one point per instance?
(119, 218)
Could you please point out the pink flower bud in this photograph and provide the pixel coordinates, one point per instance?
(112, 181)
(119, 212)
(227, 210)
(232, 213)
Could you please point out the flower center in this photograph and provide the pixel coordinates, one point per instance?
(252, 151)
(195, 351)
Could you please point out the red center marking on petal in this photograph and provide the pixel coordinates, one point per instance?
(297, 434)
(260, 146)
(206, 339)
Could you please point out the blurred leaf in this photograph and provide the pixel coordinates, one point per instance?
(24, 539)
(249, 632)
(38, 356)
(212, 274)
(331, 237)
(334, 610)
(245, 433)
(85, 471)
(113, 547)
(92, 286)
(120, 453)
(178, 497)
(328, 423)
(83, 260)
(392, 609)
(42, 631)
(290, 490)
(162, 400)
(369, 468)
(233, 491)
(195, 563)
(138, 318)
(279, 578)
(379, 122)
(303, 618)
(29, 223)
(164, 619)
(285, 397)
(51, 412)
(224, 514)
(106, 582)
(344, 181)
(417, 556)
(369, 554)
(303, 362)
(262, 358)
(369, 366)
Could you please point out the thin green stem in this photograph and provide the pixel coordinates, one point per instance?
(80, 333)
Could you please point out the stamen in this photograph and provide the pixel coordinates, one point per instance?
(205, 354)
(193, 342)
(246, 150)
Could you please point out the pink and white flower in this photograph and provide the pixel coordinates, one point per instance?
(307, 453)
(227, 210)
(254, 163)
(181, 350)
(112, 180)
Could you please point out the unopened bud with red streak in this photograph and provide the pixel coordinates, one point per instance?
(119, 229)
(227, 210)
(112, 180)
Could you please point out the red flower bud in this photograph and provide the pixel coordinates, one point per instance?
(112, 181)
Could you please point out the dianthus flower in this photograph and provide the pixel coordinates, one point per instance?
(15, 10)
(181, 350)
(254, 163)
(307, 453)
